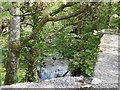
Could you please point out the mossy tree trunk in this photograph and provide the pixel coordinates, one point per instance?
(30, 73)
(0, 62)
(13, 53)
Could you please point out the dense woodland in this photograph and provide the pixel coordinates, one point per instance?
(30, 31)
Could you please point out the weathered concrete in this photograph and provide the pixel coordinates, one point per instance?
(106, 68)
(64, 82)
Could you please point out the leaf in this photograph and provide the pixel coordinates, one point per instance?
(88, 71)
(91, 67)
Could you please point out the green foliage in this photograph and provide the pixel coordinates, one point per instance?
(113, 23)
(6, 14)
(2, 78)
(21, 76)
(1, 55)
(86, 57)
(80, 50)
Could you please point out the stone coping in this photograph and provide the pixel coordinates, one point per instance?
(106, 68)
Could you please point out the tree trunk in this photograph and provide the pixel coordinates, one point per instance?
(0, 55)
(30, 73)
(0, 30)
(14, 44)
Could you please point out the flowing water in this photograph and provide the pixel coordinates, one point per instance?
(53, 69)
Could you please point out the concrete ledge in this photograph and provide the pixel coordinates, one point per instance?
(64, 82)
(106, 68)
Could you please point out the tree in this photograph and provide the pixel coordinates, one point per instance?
(14, 38)
(14, 44)
(30, 71)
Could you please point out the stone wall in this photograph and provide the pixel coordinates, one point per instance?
(106, 68)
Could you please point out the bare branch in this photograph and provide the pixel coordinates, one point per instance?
(31, 13)
(27, 24)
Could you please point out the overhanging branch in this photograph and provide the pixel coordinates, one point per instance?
(68, 4)
(51, 18)
(85, 15)
(78, 22)
(42, 22)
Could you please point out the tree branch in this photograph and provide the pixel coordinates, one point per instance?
(71, 14)
(52, 34)
(31, 13)
(49, 18)
(42, 22)
(68, 4)
(33, 34)
(78, 22)
(26, 23)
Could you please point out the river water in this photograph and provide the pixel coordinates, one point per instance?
(53, 69)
